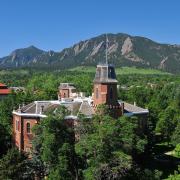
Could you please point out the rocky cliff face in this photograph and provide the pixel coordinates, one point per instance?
(123, 50)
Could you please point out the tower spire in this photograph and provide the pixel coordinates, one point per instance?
(107, 41)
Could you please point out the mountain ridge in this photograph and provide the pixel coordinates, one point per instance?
(123, 50)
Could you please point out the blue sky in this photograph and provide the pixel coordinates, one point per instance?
(56, 24)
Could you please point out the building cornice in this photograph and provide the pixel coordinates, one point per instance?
(41, 115)
(29, 114)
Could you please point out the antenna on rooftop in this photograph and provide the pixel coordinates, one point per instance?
(107, 42)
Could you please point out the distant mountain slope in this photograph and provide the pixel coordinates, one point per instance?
(124, 50)
(21, 57)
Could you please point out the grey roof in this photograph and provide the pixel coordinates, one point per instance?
(74, 107)
(134, 109)
(66, 86)
(86, 109)
(36, 107)
(105, 73)
(28, 108)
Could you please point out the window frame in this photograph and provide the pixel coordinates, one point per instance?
(28, 128)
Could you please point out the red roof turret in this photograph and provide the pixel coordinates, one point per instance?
(2, 85)
(4, 90)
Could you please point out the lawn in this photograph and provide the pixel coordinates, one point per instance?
(123, 70)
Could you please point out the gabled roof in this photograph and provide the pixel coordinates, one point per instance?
(130, 108)
(36, 107)
(86, 109)
(73, 107)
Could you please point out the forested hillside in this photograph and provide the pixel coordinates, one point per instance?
(123, 50)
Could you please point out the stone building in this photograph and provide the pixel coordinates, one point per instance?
(104, 92)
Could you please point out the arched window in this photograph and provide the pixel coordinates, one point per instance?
(97, 93)
(111, 93)
(28, 128)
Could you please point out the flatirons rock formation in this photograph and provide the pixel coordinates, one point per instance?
(123, 50)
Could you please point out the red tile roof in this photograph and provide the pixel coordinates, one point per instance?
(2, 85)
(5, 91)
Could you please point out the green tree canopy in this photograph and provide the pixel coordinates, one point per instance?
(14, 165)
(111, 144)
(54, 144)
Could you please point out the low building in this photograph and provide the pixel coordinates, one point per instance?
(104, 92)
(67, 90)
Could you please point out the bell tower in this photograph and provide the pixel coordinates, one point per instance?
(105, 85)
(105, 88)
